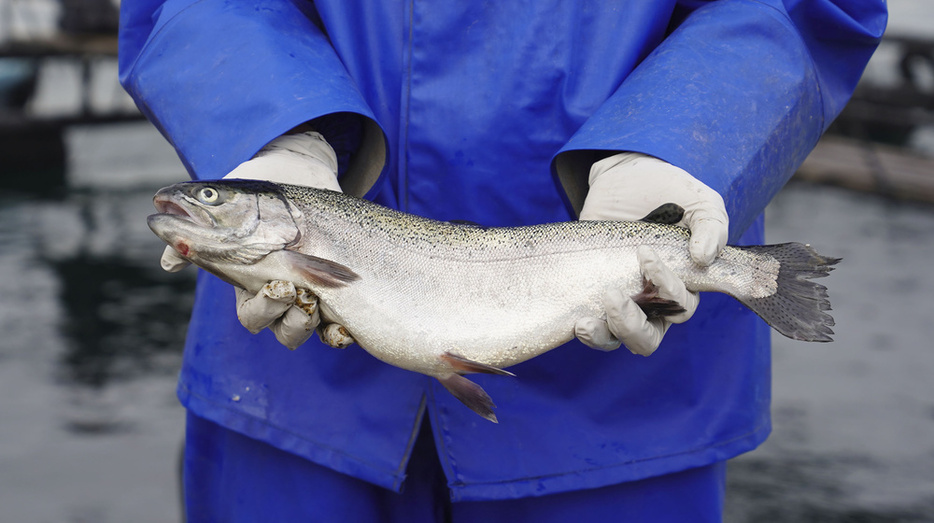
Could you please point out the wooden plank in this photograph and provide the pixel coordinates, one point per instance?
(61, 45)
(13, 123)
(865, 166)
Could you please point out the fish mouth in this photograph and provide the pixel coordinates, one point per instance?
(166, 206)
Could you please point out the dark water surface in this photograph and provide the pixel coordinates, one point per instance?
(853, 437)
(91, 331)
(90, 338)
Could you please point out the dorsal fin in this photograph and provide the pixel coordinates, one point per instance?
(666, 213)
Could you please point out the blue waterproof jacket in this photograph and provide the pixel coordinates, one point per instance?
(493, 112)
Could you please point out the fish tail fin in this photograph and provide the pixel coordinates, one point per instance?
(798, 307)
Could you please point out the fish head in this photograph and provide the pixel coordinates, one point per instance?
(211, 223)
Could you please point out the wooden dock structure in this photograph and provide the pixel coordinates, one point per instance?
(852, 155)
(887, 170)
(32, 145)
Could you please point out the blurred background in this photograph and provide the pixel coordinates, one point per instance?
(91, 328)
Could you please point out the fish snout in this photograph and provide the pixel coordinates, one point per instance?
(162, 225)
(167, 228)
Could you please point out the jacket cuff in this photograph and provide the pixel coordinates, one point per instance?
(221, 91)
(739, 109)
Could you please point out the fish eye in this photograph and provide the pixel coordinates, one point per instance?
(209, 195)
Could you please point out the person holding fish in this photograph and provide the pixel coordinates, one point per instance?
(507, 115)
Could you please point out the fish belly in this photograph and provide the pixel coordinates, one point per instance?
(498, 312)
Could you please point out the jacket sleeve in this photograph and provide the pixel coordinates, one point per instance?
(222, 79)
(737, 95)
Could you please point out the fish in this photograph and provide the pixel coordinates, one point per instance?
(447, 299)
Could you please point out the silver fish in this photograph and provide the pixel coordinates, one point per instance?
(447, 299)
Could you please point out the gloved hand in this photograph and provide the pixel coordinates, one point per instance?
(290, 313)
(628, 186)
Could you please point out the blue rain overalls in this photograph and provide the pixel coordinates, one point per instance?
(491, 112)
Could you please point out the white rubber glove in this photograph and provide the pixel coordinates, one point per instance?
(628, 186)
(290, 313)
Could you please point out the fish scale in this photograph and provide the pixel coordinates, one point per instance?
(447, 299)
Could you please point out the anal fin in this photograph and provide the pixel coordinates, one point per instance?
(471, 395)
(653, 305)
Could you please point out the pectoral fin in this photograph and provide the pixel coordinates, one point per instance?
(321, 272)
(470, 394)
